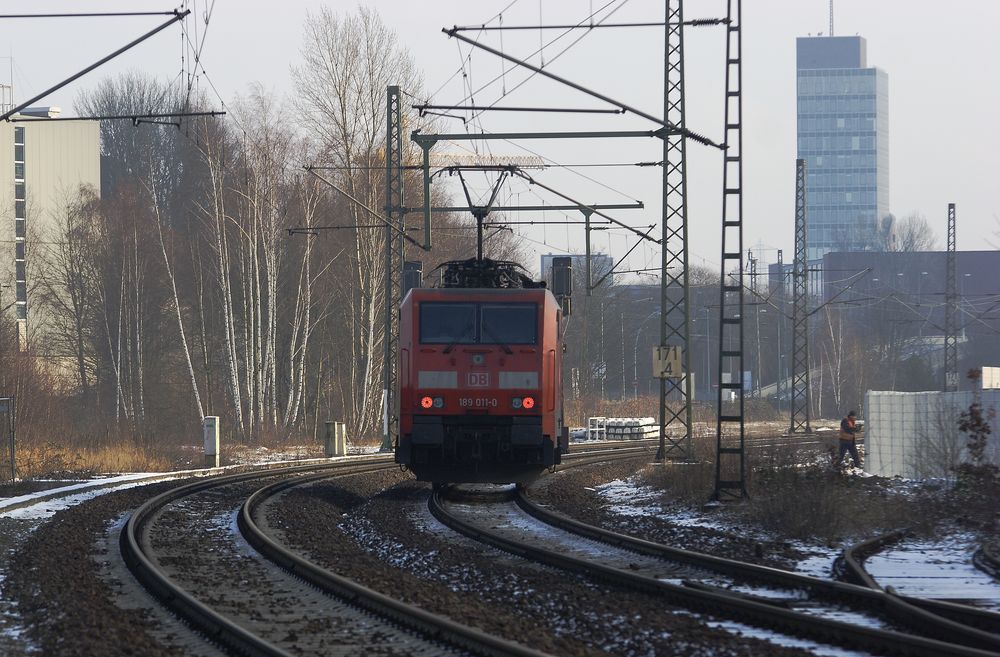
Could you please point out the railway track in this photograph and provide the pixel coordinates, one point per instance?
(831, 612)
(242, 626)
(241, 608)
(852, 569)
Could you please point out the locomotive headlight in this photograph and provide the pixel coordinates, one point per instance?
(426, 402)
(439, 402)
(516, 402)
(528, 403)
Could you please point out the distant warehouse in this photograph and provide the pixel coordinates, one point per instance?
(43, 164)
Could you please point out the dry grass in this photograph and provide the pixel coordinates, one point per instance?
(52, 460)
(788, 498)
(690, 483)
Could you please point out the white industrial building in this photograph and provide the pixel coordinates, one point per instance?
(916, 435)
(43, 163)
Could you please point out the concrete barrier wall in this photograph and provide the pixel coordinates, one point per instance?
(915, 434)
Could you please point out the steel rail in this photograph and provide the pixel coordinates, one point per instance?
(134, 543)
(898, 608)
(740, 607)
(986, 560)
(852, 560)
(430, 626)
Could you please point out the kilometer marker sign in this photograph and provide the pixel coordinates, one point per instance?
(667, 362)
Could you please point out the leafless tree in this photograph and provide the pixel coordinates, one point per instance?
(347, 64)
(914, 233)
(159, 219)
(66, 285)
(937, 447)
(133, 150)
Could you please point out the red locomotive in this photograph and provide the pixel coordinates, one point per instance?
(480, 377)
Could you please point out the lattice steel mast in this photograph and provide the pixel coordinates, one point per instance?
(780, 382)
(800, 311)
(950, 331)
(675, 325)
(393, 262)
(755, 306)
(730, 477)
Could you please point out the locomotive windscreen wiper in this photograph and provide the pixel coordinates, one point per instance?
(461, 336)
(492, 336)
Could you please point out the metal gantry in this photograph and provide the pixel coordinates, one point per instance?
(675, 325)
(951, 294)
(800, 311)
(393, 262)
(730, 462)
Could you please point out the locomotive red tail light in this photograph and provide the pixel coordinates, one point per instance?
(426, 402)
(528, 402)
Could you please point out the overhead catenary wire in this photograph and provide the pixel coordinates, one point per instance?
(479, 110)
(93, 14)
(695, 22)
(536, 71)
(135, 118)
(176, 16)
(196, 50)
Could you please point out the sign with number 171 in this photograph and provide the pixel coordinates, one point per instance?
(667, 362)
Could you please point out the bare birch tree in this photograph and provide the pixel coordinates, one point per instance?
(347, 64)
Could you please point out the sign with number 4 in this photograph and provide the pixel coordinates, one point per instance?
(667, 362)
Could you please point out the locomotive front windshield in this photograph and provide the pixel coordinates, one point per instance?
(509, 323)
(448, 323)
(478, 323)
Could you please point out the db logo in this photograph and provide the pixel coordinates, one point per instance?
(479, 379)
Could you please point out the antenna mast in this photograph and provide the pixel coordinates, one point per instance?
(831, 18)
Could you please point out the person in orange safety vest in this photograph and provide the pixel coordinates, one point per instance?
(848, 430)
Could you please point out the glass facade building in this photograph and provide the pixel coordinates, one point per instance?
(843, 135)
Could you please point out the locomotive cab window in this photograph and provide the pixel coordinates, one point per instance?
(448, 323)
(508, 323)
(484, 323)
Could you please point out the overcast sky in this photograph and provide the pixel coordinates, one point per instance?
(944, 80)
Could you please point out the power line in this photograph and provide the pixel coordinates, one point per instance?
(177, 16)
(106, 14)
(135, 118)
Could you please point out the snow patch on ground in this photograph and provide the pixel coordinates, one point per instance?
(820, 564)
(79, 486)
(936, 568)
(10, 624)
(626, 498)
(260, 454)
(822, 649)
(46, 508)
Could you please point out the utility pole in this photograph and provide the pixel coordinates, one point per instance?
(755, 374)
(393, 263)
(730, 477)
(675, 324)
(800, 311)
(950, 332)
(779, 384)
(674, 304)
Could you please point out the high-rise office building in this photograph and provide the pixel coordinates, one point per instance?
(843, 135)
